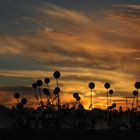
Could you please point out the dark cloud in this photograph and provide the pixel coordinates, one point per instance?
(23, 17)
(22, 90)
(12, 80)
(19, 62)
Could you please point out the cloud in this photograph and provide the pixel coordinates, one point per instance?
(128, 13)
(95, 46)
(61, 13)
(83, 47)
(128, 6)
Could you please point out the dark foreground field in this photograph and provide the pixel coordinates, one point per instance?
(67, 134)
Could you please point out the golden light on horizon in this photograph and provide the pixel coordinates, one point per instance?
(98, 102)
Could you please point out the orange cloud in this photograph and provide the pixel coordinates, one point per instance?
(83, 48)
(61, 13)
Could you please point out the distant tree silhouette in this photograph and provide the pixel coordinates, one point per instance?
(52, 115)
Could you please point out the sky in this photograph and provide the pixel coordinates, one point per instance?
(86, 40)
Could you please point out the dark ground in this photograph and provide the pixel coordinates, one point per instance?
(67, 134)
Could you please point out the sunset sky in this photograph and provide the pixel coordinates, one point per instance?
(86, 40)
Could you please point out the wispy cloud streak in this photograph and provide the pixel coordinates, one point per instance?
(83, 47)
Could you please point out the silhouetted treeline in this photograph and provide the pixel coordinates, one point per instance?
(66, 122)
(52, 116)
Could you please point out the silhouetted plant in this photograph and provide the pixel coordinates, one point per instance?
(114, 105)
(107, 86)
(110, 92)
(75, 95)
(39, 84)
(46, 92)
(56, 75)
(47, 116)
(120, 109)
(56, 91)
(17, 96)
(34, 86)
(19, 106)
(47, 81)
(24, 101)
(77, 98)
(91, 86)
(137, 85)
(135, 93)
